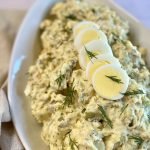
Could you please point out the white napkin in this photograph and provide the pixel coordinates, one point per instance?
(5, 49)
(4, 107)
(9, 23)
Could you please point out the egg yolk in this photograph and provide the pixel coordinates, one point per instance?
(90, 35)
(95, 52)
(81, 27)
(104, 85)
(95, 66)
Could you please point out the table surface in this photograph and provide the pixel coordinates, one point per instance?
(139, 8)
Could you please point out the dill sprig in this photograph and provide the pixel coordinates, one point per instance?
(60, 79)
(115, 79)
(72, 17)
(137, 140)
(123, 109)
(104, 116)
(134, 92)
(72, 142)
(90, 54)
(70, 95)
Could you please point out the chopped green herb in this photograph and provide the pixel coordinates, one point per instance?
(60, 79)
(149, 117)
(70, 95)
(123, 109)
(93, 10)
(90, 54)
(142, 65)
(83, 110)
(72, 142)
(146, 103)
(104, 116)
(115, 79)
(67, 30)
(116, 38)
(134, 92)
(137, 140)
(72, 17)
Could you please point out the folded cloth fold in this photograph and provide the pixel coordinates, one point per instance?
(5, 48)
(9, 23)
(4, 107)
(9, 139)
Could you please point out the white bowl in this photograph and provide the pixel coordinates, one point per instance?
(25, 51)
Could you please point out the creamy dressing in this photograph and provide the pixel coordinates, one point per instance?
(80, 125)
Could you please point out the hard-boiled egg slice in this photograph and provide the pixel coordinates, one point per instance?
(88, 35)
(100, 61)
(96, 47)
(83, 25)
(110, 82)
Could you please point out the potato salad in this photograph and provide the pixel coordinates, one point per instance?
(89, 87)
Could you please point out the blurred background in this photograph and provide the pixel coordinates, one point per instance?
(139, 8)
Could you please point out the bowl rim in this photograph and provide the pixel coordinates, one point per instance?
(28, 15)
(22, 27)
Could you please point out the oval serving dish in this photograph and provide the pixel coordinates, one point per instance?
(25, 51)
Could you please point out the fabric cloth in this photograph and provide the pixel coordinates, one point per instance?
(9, 23)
